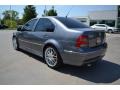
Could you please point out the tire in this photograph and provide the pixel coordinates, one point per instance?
(52, 57)
(110, 31)
(15, 43)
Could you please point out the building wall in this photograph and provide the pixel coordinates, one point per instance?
(108, 17)
(103, 17)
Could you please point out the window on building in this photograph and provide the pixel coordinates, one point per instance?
(92, 22)
(102, 22)
(110, 23)
(118, 23)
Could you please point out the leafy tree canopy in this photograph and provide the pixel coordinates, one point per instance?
(29, 13)
(10, 14)
(51, 12)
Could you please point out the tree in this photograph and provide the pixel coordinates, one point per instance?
(10, 14)
(6, 15)
(51, 12)
(9, 18)
(29, 13)
(10, 23)
(20, 22)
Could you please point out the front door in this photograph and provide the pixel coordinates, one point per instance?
(25, 36)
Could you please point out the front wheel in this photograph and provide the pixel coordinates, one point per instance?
(15, 43)
(110, 31)
(52, 57)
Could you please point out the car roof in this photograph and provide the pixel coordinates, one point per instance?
(51, 17)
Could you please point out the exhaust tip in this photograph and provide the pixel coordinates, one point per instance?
(89, 65)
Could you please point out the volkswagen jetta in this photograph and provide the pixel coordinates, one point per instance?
(61, 40)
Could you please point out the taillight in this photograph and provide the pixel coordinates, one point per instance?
(82, 41)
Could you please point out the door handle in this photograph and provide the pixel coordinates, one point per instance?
(46, 36)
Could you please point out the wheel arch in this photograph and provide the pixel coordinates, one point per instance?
(110, 30)
(53, 43)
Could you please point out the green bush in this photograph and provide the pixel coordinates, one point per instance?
(10, 23)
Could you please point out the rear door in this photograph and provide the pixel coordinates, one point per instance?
(43, 31)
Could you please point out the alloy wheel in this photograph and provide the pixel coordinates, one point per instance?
(51, 57)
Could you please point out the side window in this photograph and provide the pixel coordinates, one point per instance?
(45, 25)
(29, 25)
(101, 25)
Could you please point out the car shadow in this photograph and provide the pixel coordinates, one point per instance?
(38, 58)
(103, 72)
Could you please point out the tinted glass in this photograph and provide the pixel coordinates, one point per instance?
(71, 23)
(29, 25)
(101, 25)
(44, 24)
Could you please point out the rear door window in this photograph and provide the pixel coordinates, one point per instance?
(43, 24)
(101, 25)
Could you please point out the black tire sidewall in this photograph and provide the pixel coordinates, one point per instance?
(14, 38)
(110, 31)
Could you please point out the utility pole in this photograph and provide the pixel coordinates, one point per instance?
(45, 11)
(0, 18)
(10, 16)
(69, 12)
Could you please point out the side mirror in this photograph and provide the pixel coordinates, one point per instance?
(19, 28)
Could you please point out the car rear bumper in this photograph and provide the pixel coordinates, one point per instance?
(78, 58)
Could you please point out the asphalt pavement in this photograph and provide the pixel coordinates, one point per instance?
(20, 67)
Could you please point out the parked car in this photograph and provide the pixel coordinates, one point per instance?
(2, 26)
(61, 40)
(104, 27)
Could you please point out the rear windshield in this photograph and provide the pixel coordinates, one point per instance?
(71, 23)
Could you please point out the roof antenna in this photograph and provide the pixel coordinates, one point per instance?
(68, 12)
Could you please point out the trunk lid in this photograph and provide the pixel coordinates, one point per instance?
(95, 37)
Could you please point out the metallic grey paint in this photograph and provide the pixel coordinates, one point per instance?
(63, 39)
